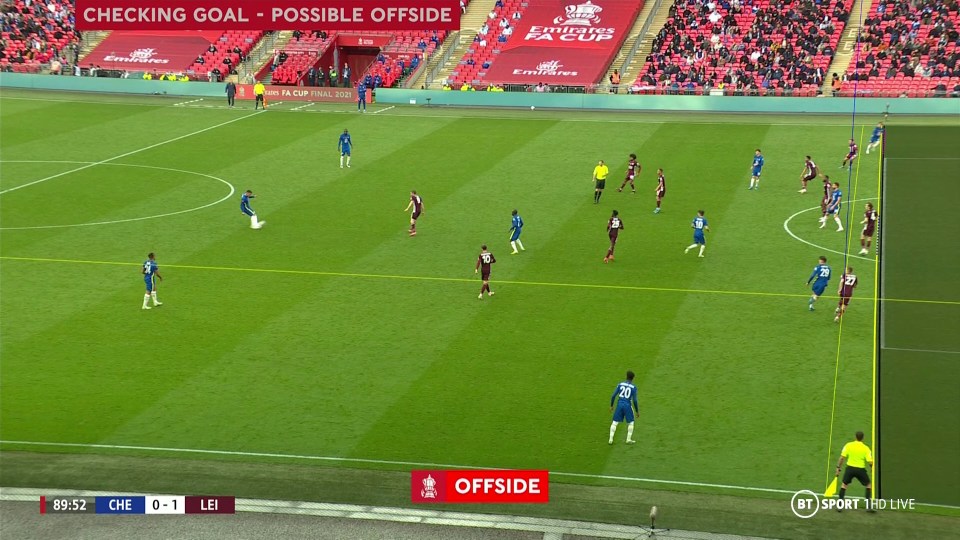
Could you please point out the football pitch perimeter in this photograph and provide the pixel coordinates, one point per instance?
(325, 355)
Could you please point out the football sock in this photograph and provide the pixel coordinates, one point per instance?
(868, 493)
(752, 182)
(348, 161)
(812, 300)
(837, 219)
(691, 246)
(513, 244)
(658, 203)
(253, 220)
(519, 243)
(630, 431)
(341, 162)
(843, 492)
(146, 298)
(153, 295)
(613, 430)
(702, 247)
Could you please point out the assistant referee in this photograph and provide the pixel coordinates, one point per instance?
(600, 173)
(857, 456)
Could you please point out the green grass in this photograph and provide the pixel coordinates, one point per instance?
(332, 333)
(919, 366)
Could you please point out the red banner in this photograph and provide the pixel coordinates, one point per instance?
(268, 14)
(145, 52)
(558, 42)
(484, 487)
(273, 94)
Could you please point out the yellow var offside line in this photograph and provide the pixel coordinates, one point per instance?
(874, 420)
(454, 279)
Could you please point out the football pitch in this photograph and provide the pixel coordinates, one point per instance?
(328, 353)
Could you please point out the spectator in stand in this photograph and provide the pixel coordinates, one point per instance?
(231, 91)
(516, 16)
(346, 75)
(297, 35)
(415, 62)
(503, 23)
(332, 76)
(484, 29)
(368, 81)
(239, 52)
(435, 38)
(463, 7)
(212, 48)
(615, 82)
(499, 4)
(216, 75)
(377, 81)
(422, 45)
(492, 15)
(199, 60)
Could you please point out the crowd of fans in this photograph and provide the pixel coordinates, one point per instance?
(38, 32)
(907, 46)
(745, 46)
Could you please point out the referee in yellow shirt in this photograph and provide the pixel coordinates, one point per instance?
(258, 90)
(600, 173)
(857, 456)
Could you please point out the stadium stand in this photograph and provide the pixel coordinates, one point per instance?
(36, 33)
(402, 54)
(907, 49)
(738, 47)
(232, 45)
(487, 43)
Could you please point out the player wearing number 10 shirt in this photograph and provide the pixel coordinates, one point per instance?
(623, 405)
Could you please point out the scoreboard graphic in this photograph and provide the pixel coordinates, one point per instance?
(148, 504)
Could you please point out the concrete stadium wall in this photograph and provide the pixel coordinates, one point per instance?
(730, 104)
(814, 105)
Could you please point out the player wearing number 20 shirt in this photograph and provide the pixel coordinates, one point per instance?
(623, 404)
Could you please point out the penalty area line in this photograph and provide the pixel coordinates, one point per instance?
(457, 279)
(335, 459)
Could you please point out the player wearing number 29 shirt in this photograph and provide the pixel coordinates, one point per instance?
(483, 266)
(623, 405)
(614, 226)
(848, 282)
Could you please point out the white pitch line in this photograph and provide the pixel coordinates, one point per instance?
(932, 351)
(403, 463)
(182, 103)
(311, 104)
(518, 117)
(426, 515)
(387, 109)
(786, 227)
(114, 158)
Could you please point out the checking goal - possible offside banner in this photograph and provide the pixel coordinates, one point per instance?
(386, 15)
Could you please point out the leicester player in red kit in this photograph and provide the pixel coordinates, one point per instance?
(483, 266)
(826, 198)
(851, 155)
(661, 189)
(633, 169)
(417, 204)
(808, 174)
(614, 226)
(869, 227)
(848, 282)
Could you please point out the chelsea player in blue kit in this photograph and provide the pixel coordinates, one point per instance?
(246, 209)
(756, 170)
(151, 274)
(833, 207)
(875, 137)
(699, 225)
(516, 226)
(625, 397)
(344, 145)
(821, 273)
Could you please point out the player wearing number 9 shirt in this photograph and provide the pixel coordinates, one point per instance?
(625, 398)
